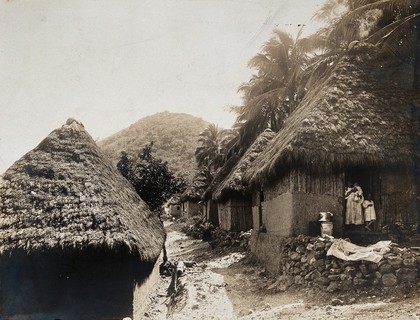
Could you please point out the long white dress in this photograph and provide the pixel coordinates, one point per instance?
(354, 213)
(369, 210)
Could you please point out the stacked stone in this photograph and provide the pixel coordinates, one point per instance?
(305, 263)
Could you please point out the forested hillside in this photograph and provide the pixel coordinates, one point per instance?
(174, 135)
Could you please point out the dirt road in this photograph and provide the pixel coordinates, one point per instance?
(224, 287)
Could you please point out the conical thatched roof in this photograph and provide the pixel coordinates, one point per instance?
(361, 115)
(65, 194)
(195, 190)
(233, 183)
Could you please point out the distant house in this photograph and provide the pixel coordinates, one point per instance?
(76, 241)
(174, 206)
(191, 204)
(232, 196)
(211, 210)
(361, 124)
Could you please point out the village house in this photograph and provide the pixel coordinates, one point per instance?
(359, 125)
(211, 209)
(76, 241)
(173, 207)
(190, 199)
(232, 196)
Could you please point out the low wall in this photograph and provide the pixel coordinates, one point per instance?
(303, 261)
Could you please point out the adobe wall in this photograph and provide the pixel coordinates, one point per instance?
(67, 285)
(289, 214)
(142, 290)
(191, 208)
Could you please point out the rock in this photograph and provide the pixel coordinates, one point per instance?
(363, 269)
(350, 270)
(395, 262)
(334, 277)
(409, 262)
(406, 275)
(333, 286)
(337, 302)
(319, 246)
(360, 282)
(295, 256)
(389, 280)
(323, 281)
(386, 268)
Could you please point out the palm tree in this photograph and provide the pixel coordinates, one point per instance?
(211, 152)
(273, 92)
(388, 24)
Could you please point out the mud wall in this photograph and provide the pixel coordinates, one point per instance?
(143, 288)
(191, 208)
(68, 285)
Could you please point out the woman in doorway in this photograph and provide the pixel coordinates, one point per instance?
(354, 200)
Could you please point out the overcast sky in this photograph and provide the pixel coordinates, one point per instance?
(109, 63)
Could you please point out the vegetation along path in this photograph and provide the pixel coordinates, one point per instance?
(230, 286)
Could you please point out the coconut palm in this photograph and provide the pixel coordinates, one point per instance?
(210, 154)
(388, 24)
(273, 92)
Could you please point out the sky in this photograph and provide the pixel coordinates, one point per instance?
(109, 63)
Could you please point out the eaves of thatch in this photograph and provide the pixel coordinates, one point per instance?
(196, 189)
(220, 176)
(233, 183)
(362, 114)
(65, 194)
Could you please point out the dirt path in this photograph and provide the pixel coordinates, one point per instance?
(220, 287)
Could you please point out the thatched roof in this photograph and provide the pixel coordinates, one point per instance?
(233, 183)
(360, 115)
(173, 201)
(196, 189)
(66, 194)
(220, 176)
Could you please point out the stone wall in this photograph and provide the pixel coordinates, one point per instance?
(303, 262)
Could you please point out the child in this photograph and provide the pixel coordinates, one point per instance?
(369, 211)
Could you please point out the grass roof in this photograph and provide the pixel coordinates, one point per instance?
(221, 174)
(66, 194)
(362, 114)
(196, 189)
(234, 183)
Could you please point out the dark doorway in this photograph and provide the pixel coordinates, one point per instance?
(368, 179)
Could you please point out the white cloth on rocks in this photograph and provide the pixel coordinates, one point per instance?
(346, 250)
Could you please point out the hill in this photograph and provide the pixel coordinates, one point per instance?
(175, 137)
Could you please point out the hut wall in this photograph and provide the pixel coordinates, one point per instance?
(399, 201)
(175, 210)
(235, 214)
(67, 285)
(297, 199)
(142, 289)
(211, 211)
(191, 208)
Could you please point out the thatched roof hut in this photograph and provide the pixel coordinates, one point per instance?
(360, 115)
(196, 189)
(66, 194)
(220, 176)
(233, 183)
